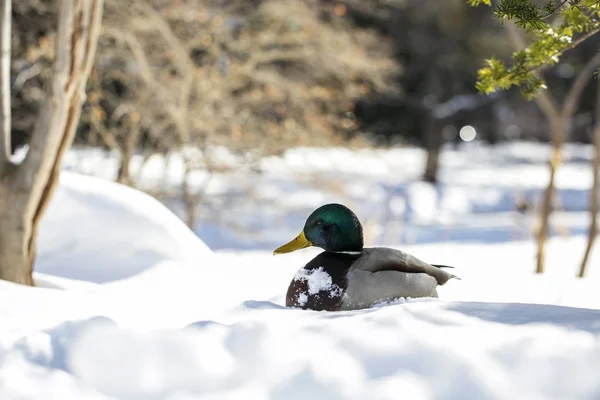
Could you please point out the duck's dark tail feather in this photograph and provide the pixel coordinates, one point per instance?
(441, 266)
(446, 266)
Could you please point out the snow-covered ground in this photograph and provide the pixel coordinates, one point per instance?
(243, 209)
(132, 305)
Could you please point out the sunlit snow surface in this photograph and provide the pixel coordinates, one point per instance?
(474, 200)
(131, 305)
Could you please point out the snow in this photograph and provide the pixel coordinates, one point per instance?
(88, 219)
(271, 199)
(317, 280)
(130, 304)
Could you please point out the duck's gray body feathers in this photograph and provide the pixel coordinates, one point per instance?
(383, 273)
(368, 288)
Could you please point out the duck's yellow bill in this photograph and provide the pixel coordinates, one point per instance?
(299, 242)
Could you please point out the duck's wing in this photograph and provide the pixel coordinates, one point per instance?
(365, 288)
(376, 259)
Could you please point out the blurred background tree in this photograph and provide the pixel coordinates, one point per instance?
(299, 72)
(221, 72)
(261, 76)
(28, 181)
(553, 27)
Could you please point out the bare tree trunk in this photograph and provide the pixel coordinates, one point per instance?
(559, 120)
(27, 188)
(550, 109)
(593, 231)
(5, 112)
(558, 136)
(188, 199)
(124, 174)
(144, 162)
(433, 145)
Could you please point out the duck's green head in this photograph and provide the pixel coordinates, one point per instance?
(332, 227)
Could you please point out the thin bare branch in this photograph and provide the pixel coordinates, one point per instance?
(183, 63)
(5, 99)
(558, 121)
(574, 94)
(148, 77)
(25, 75)
(594, 196)
(182, 59)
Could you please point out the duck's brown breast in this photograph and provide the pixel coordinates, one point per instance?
(321, 284)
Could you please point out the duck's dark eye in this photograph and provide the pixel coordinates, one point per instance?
(319, 222)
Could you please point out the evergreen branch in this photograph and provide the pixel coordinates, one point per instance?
(556, 9)
(496, 76)
(577, 18)
(573, 44)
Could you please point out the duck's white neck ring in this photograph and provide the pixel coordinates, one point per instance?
(354, 253)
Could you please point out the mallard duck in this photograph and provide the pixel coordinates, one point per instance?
(348, 276)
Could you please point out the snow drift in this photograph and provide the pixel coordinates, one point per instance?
(149, 312)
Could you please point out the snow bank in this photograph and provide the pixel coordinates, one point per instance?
(178, 333)
(422, 350)
(148, 312)
(97, 230)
